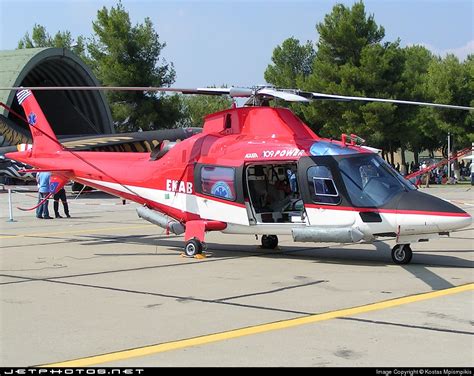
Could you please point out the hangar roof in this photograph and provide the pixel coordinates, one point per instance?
(70, 113)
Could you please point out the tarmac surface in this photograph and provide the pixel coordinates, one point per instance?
(105, 288)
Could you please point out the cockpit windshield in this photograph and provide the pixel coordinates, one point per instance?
(370, 181)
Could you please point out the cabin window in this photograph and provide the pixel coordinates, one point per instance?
(218, 181)
(321, 186)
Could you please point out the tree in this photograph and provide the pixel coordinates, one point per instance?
(380, 70)
(450, 81)
(126, 55)
(62, 39)
(351, 61)
(122, 55)
(196, 107)
(469, 72)
(420, 128)
(291, 61)
(345, 32)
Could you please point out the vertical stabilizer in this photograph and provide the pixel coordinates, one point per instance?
(44, 139)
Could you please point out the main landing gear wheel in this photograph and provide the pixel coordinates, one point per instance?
(402, 254)
(269, 241)
(193, 247)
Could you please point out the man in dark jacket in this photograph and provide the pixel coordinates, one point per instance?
(61, 195)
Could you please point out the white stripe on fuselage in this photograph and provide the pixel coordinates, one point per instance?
(220, 211)
(215, 210)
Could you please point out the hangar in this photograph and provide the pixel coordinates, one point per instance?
(81, 119)
(70, 113)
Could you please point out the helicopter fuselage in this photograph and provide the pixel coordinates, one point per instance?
(259, 170)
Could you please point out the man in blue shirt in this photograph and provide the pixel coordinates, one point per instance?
(42, 178)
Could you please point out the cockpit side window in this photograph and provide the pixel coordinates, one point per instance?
(321, 186)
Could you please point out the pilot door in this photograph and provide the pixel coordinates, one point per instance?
(323, 192)
(272, 194)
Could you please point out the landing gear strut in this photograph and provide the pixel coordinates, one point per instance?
(402, 254)
(193, 247)
(269, 241)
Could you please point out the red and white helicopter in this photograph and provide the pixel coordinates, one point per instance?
(254, 170)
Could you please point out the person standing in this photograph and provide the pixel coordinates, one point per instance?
(426, 176)
(42, 211)
(472, 172)
(61, 195)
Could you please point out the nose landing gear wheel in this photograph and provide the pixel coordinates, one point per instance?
(269, 241)
(402, 254)
(193, 247)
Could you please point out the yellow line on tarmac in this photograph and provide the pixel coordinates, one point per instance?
(27, 235)
(236, 333)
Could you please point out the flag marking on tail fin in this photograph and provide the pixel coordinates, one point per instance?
(22, 95)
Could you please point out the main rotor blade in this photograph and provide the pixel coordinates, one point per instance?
(290, 95)
(234, 92)
(208, 91)
(397, 101)
(285, 95)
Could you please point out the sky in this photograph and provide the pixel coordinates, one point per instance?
(231, 42)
